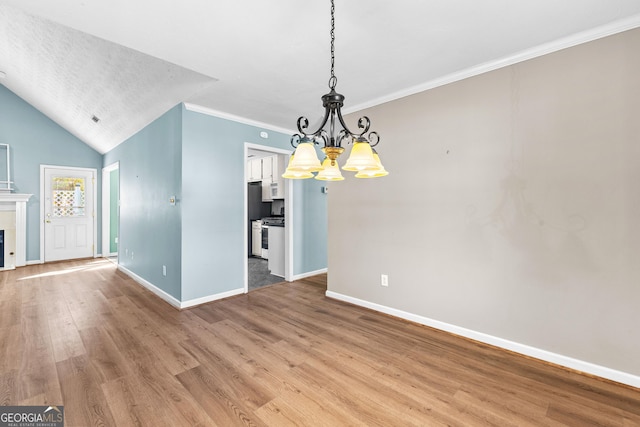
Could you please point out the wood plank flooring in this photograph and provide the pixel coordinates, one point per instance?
(83, 335)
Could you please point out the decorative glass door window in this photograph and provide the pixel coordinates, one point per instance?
(68, 198)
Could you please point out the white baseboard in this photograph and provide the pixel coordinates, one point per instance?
(150, 286)
(210, 298)
(547, 356)
(308, 274)
(34, 262)
(174, 301)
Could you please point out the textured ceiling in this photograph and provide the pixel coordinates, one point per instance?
(128, 62)
(71, 76)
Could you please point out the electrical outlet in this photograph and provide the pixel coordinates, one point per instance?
(164, 270)
(126, 252)
(131, 255)
(384, 280)
(116, 240)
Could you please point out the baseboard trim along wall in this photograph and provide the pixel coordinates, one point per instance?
(308, 274)
(171, 299)
(547, 356)
(210, 298)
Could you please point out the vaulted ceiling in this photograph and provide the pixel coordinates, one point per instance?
(267, 62)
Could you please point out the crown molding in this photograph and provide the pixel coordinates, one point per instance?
(222, 115)
(541, 50)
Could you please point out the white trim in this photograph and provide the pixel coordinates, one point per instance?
(543, 49)
(171, 299)
(222, 115)
(210, 298)
(35, 262)
(151, 287)
(309, 274)
(94, 173)
(558, 359)
(106, 207)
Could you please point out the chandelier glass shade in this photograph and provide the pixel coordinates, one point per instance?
(377, 172)
(304, 162)
(329, 172)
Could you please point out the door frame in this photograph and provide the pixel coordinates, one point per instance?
(106, 209)
(288, 214)
(94, 187)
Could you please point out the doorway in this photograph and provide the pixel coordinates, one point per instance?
(110, 210)
(68, 213)
(256, 263)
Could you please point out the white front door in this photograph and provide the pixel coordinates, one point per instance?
(68, 213)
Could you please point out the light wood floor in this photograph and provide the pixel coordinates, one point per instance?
(85, 336)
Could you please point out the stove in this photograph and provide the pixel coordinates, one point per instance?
(273, 220)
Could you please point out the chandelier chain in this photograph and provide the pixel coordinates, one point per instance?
(333, 80)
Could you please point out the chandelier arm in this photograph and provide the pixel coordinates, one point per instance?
(324, 135)
(342, 135)
(363, 123)
(344, 125)
(374, 139)
(295, 140)
(303, 124)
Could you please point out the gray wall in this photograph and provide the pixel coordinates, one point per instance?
(511, 207)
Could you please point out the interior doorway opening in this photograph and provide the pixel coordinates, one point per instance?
(110, 210)
(269, 217)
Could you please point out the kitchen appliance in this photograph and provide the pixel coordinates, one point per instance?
(276, 221)
(270, 221)
(265, 241)
(277, 190)
(256, 238)
(256, 209)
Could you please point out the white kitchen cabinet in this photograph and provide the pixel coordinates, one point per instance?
(266, 190)
(267, 178)
(278, 167)
(254, 170)
(267, 168)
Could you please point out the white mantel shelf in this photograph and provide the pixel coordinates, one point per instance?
(14, 198)
(19, 201)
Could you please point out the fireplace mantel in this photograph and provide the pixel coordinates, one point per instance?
(18, 202)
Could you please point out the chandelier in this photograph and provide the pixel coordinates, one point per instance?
(363, 159)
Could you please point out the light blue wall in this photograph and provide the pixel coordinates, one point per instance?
(35, 140)
(213, 246)
(310, 225)
(205, 228)
(150, 228)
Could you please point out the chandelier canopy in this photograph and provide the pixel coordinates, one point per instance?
(363, 159)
